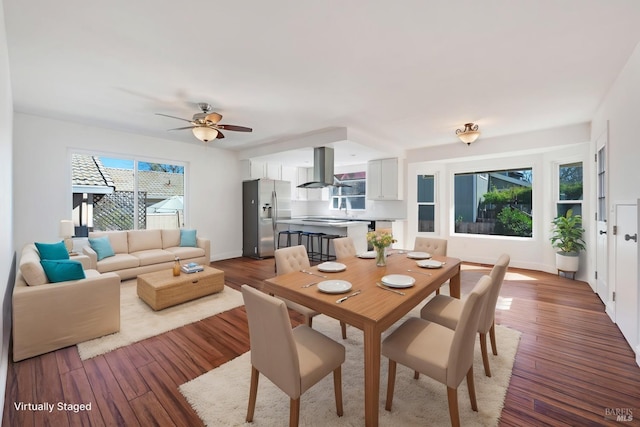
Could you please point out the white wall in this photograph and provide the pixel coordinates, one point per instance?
(42, 179)
(552, 147)
(621, 107)
(6, 231)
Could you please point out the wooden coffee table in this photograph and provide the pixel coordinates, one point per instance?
(161, 289)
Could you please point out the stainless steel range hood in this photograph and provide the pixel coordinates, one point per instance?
(322, 168)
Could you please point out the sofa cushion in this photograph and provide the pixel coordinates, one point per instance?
(170, 238)
(62, 270)
(118, 262)
(118, 240)
(52, 250)
(153, 256)
(142, 240)
(188, 238)
(30, 267)
(186, 252)
(102, 247)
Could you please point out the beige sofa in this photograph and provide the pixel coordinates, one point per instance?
(144, 251)
(48, 316)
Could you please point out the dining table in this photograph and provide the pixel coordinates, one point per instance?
(374, 309)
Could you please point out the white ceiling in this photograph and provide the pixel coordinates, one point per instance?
(395, 75)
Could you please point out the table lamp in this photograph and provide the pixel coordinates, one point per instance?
(66, 231)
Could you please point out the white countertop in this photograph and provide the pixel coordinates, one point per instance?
(325, 223)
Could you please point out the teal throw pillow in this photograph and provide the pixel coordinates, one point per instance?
(188, 238)
(52, 250)
(102, 247)
(62, 270)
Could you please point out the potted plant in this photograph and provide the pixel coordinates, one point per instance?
(566, 236)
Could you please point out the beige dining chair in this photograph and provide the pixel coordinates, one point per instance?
(295, 258)
(431, 245)
(443, 354)
(447, 311)
(293, 359)
(344, 247)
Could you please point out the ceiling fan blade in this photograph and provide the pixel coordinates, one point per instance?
(235, 128)
(220, 135)
(173, 117)
(213, 118)
(186, 127)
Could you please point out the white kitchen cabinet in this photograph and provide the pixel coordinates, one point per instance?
(259, 170)
(384, 180)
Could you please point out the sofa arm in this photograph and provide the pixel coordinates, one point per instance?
(56, 315)
(205, 244)
(93, 257)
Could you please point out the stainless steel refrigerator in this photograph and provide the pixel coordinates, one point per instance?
(264, 202)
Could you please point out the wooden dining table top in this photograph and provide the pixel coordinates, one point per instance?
(372, 304)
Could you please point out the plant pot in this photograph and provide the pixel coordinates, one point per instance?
(567, 261)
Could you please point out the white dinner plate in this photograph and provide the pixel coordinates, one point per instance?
(418, 255)
(398, 281)
(331, 267)
(429, 263)
(368, 255)
(334, 286)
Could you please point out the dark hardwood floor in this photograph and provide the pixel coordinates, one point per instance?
(572, 367)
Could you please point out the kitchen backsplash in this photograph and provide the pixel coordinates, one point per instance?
(375, 209)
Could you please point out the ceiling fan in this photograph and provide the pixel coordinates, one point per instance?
(205, 125)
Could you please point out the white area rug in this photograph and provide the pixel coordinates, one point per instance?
(138, 321)
(220, 396)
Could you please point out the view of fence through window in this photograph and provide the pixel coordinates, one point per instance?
(124, 194)
(494, 202)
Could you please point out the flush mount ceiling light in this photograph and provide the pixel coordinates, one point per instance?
(469, 134)
(204, 133)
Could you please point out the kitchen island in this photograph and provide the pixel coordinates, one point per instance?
(357, 230)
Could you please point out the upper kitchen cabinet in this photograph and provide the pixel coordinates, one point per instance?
(384, 180)
(257, 170)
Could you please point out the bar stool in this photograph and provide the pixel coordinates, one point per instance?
(288, 233)
(311, 248)
(327, 238)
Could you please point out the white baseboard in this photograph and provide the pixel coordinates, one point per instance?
(638, 355)
(225, 255)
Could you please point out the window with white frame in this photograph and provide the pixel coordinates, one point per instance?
(494, 202)
(426, 203)
(349, 191)
(570, 191)
(112, 193)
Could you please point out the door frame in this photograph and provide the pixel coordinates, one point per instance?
(603, 258)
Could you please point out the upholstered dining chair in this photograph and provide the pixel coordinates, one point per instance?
(344, 247)
(293, 359)
(447, 311)
(443, 354)
(295, 258)
(431, 245)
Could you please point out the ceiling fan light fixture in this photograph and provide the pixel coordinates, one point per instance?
(204, 133)
(469, 134)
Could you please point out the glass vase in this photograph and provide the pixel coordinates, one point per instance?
(381, 256)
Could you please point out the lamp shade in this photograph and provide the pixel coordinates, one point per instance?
(469, 134)
(204, 133)
(66, 228)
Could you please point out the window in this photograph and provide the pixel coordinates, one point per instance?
(569, 188)
(426, 203)
(125, 194)
(494, 202)
(349, 191)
